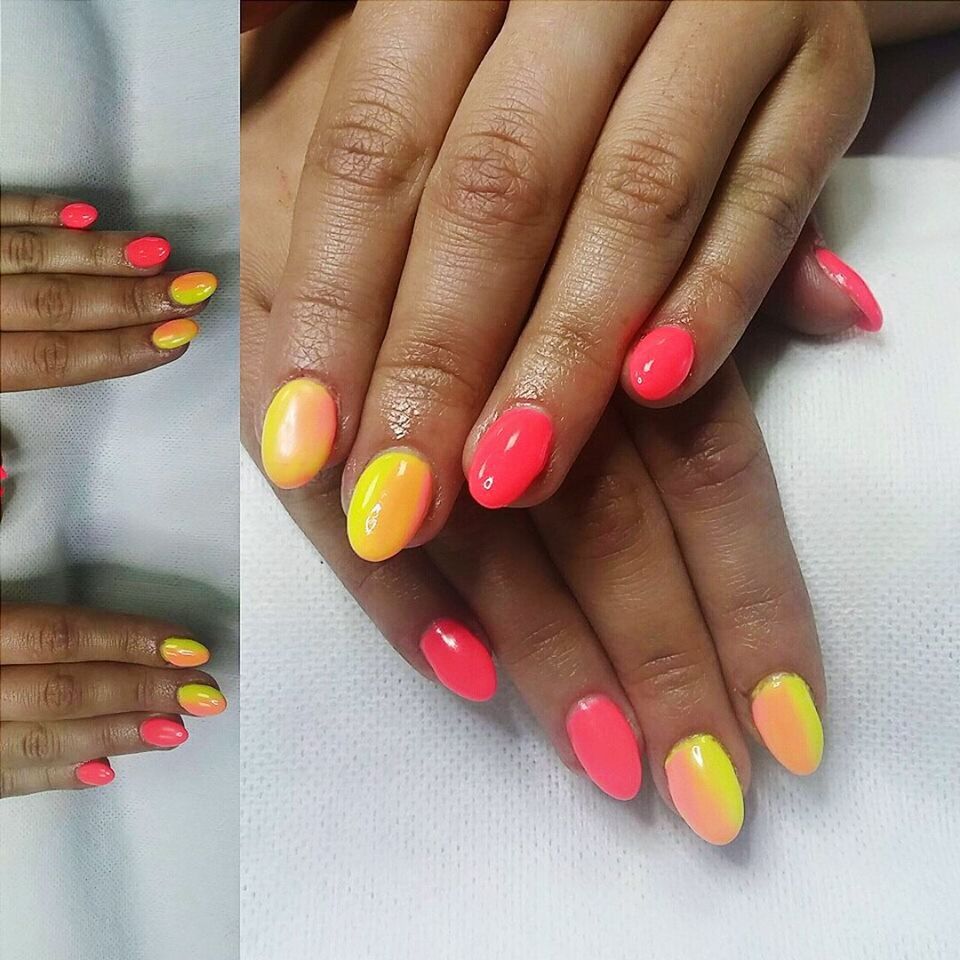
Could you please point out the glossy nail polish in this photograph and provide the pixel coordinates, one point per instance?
(510, 455)
(298, 433)
(459, 659)
(660, 362)
(95, 773)
(388, 505)
(183, 652)
(191, 288)
(146, 252)
(606, 746)
(842, 274)
(705, 789)
(163, 732)
(174, 333)
(78, 216)
(787, 720)
(201, 700)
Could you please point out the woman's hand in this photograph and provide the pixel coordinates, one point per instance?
(504, 207)
(78, 686)
(78, 305)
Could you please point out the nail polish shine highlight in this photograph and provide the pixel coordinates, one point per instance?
(174, 333)
(787, 720)
(163, 732)
(146, 252)
(192, 288)
(299, 429)
(183, 652)
(842, 274)
(95, 773)
(78, 216)
(201, 700)
(660, 362)
(606, 746)
(459, 659)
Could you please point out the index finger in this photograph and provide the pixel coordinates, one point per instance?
(45, 210)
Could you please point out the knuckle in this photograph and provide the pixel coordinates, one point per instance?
(144, 693)
(51, 356)
(678, 678)
(574, 342)
(61, 694)
(40, 743)
(54, 302)
(552, 644)
(24, 250)
(775, 193)
(55, 640)
(8, 783)
(136, 299)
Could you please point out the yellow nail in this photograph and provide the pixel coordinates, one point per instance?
(705, 789)
(182, 652)
(174, 333)
(298, 433)
(388, 505)
(787, 720)
(191, 288)
(201, 700)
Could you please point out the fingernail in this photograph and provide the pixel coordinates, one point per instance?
(459, 659)
(705, 789)
(78, 216)
(174, 333)
(388, 504)
(201, 700)
(95, 773)
(162, 732)
(510, 456)
(146, 252)
(660, 362)
(298, 433)
(842, 274)
(191, 288)
(606, 746)
(787, 720)
(182, 652)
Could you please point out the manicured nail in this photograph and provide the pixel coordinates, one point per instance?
(660, 362)
(191, 288)
(201, 700)
(842, 274)
(174, 333)
(78, 216)
(146, 252)
(787, 720)
(298, 433)
(606, 746)
(182, 652)
(95, 773)
(162, 732)
(388, 504)
(459, 659)
(705, 789)
(510, 456)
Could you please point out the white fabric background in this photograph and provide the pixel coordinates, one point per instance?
(123, 494)
(384, 818)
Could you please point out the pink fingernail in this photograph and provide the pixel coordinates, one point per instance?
(510, 456)
(78, 216)
(660, 362)
(95, 773)
(163, 732)
(459, 659)
(146, 252)
(853, 285)
(606, 746)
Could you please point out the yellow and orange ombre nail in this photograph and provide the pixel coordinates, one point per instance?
(201, 700)
(388, 505)
(704, 788)
(298, 433)
(174, 333)
(192, 288)
(788, 723)
(183, 652)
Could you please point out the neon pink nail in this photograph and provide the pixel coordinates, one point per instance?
(95, 773)
(146, 252)
(853, 285)
(606, 746)
(163, 732)
(459, 659)
(78, 216)
(660, 362)
(510, 456)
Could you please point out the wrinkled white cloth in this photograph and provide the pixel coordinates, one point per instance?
(123, 494)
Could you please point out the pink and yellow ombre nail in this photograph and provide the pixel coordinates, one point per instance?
(192, 288)
(388, 505)
(201, 700)
(298, 433)
(174, 333)
(704, 788)
(184, 652)
(787, 720)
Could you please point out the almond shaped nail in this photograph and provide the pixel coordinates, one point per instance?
(163, 732)
(788, 723)
(299, 429)
(78, 216)
(201, 700)
(145, 252)
(184, 652)
(95, 773)
(606, 746)
(174, 333)
(192, 288)
(660, 362)
(460, 659)
(845, 277)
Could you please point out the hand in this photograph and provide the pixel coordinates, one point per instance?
(78, 686)
(499, 199)
(78, 305)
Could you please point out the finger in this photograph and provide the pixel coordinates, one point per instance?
(32, 249)
(50, 633)
(489, 218)
(709, 462)
(396, 85)
(608, 533)
(77, 690)
(61, 742)
(45, 211)
(71, 302)
(20, 781)
(761, 204)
